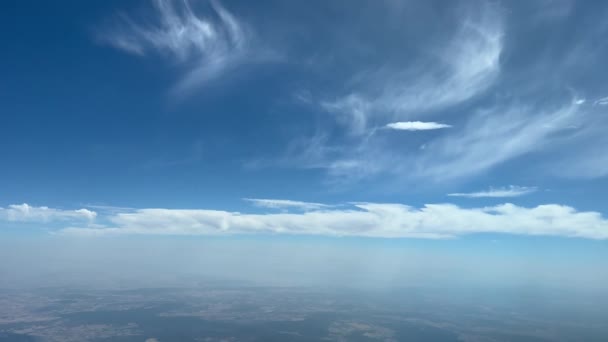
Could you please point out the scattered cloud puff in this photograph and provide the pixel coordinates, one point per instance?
(511, 191)
(26, 213)
(205, 46)
(362, 220)
(285, 204)
(416, 125)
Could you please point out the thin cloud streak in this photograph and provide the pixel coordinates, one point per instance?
(511, 191)
(416, 125)
(285, 204)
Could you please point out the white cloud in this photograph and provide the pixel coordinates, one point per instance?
(416, 125)
(364, 220)
(205, 46)
(511, 191)
(26, 213)
(285, 204)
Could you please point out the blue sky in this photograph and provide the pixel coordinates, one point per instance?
(382, 119)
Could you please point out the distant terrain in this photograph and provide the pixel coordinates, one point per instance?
(298, 314)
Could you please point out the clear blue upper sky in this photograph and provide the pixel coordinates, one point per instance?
(307, 117)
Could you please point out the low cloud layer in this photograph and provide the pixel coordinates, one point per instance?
(383, 220)
(26, 213)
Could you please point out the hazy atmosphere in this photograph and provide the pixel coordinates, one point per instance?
(197, 170)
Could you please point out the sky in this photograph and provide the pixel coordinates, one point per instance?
(411, 121)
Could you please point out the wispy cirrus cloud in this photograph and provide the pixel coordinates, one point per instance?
(496, 135)
(205, 47)
(467, 66)
(416, 125)
(285, 204)
(489, 137)
(511, 191)
(27, 213)
(503, 103)
(362, 220)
